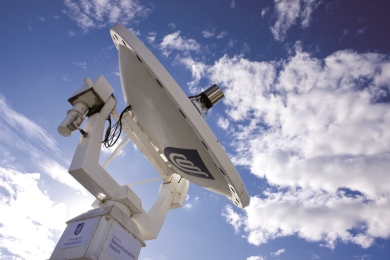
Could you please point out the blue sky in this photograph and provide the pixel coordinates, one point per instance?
(305, 120)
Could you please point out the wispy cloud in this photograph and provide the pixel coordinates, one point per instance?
(190, 203)
(29, 26)
(258, 257)
(279, 252)
(20, 123)
(66, 78)
(264, 11)
(197, 69)
(81, 64)
(30, 23)
(288, 12)
(209, 34)
(307, 9)
(151, 37)
(71, 33)
(361, 31)
(188, 206)
(221, 35)
(363, 257)
(233, 218)
(99, 14)
(18, 133)
(172, 26)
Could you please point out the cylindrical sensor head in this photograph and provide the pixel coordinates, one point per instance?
(211, 96)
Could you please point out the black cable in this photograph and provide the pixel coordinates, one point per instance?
(113, 133)
(107, 134)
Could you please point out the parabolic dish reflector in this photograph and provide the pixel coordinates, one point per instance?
(179, 137)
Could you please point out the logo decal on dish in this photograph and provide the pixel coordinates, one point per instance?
(187, 161)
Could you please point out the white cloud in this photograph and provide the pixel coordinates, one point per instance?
(323, 119)
(174, 41)
(245, 81)
(197, 69)
(288, 12)
(30, 221)
(223, 123)
(207, 34)
(279, 252)
(314, 256)
(233, 4)
(187, 206)
(306, 11)
(221, 35)
(151, 37)
(264, 11)
(259, 257)
(362, 257)
(316, 130)
(314, 216)
(29, 24)
(99, 14)
(232, 43)
(233, 218)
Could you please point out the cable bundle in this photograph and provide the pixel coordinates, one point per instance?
(113, 133)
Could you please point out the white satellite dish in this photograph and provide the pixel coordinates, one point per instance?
(172, 124)
(168, 129)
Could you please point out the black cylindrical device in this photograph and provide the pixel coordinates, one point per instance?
(211, 96)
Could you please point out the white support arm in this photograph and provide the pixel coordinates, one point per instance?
(172, 195)
(85, 168)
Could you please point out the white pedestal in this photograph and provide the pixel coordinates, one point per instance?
(105, 233)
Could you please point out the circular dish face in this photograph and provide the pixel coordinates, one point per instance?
(171, 122)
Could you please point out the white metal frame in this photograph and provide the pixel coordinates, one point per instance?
(85, 168)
